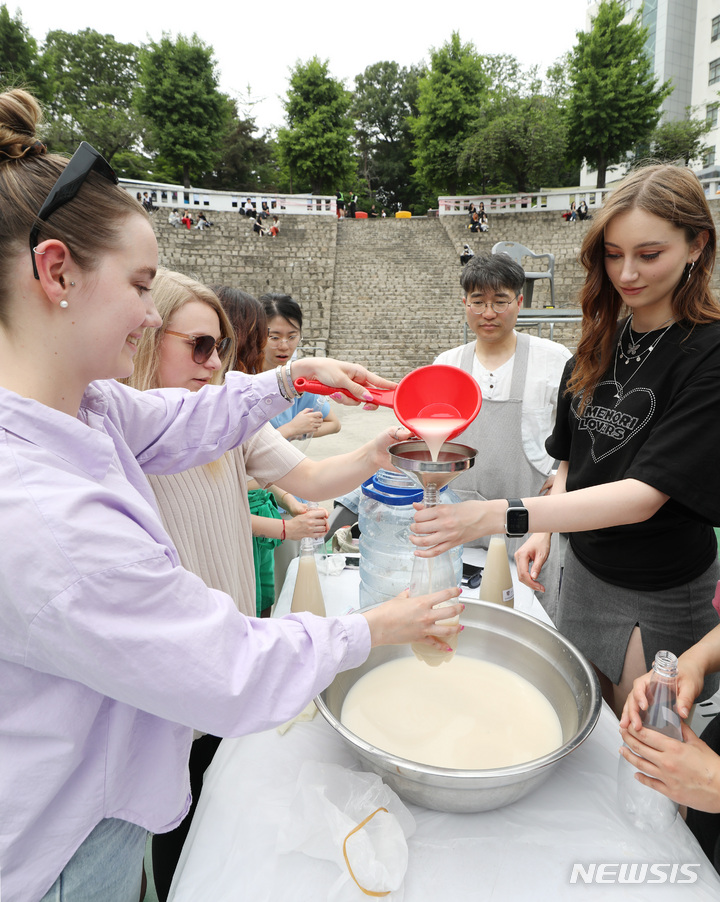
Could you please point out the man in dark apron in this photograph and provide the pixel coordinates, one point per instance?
(519, 376)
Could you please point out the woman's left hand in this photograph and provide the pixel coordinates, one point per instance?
(687, 772)
(341, 374)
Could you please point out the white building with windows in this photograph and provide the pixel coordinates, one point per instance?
(706, 78)
(684, 46)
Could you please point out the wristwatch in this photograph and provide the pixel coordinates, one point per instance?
(516, 519)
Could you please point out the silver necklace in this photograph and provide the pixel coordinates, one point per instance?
(633, 349)
(620, 388)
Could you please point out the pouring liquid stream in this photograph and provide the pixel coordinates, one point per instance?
(434, 431)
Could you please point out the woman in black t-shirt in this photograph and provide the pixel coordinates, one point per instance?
(638, 486)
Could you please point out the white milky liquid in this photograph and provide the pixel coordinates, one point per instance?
(497, 584)
(469, 714)
(307, 595)
(434, 431)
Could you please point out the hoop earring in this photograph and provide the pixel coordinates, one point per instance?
(64, 304)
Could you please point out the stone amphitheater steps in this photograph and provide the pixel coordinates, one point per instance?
(395, 295)
(382, 292)
(300, 261)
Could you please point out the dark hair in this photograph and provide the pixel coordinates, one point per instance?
(90, 224)
(493, 271)
(283, 305)
(675, 195)
(249, 323)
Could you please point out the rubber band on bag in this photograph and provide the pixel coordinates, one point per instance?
(368, 892)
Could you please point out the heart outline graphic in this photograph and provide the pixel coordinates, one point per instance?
(632, 433)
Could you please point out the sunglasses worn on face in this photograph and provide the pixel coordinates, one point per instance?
(203, 345)
(82, 163)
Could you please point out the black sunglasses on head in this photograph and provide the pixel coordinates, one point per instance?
(81, 164)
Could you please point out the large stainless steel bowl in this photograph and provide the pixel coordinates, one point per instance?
(516, 641)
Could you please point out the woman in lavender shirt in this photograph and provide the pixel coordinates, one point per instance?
(111, 652)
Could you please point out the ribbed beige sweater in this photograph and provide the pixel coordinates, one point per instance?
(205, 511)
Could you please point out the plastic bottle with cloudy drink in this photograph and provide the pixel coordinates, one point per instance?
(307, 594)
(432, 575)
(645, 808)
(497, 583)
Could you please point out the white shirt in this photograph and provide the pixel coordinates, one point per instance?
(546, 362)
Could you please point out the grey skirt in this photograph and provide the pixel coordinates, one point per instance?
(599, 617)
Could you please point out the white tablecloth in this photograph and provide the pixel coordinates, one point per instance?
(524, 851)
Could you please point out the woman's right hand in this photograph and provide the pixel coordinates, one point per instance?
(530, 557)
(312, 523)
(402, 619)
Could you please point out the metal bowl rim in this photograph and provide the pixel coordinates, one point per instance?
(499, 772)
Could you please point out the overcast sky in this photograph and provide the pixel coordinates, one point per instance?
(256, 43)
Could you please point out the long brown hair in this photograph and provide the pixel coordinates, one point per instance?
(676, 196)
(249, 322)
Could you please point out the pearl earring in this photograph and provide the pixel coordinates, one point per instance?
(64, 304)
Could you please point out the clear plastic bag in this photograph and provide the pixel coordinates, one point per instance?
(324, 821)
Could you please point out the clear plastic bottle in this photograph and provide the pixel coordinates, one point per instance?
(307, 594)
(497, 584)
(430, 575)
(643, 807)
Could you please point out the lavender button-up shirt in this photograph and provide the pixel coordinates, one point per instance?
(110, 652)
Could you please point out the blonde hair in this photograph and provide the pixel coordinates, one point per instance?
(171, 291)
(675, 195)
(89, 224)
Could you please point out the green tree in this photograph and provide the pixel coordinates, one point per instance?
(519, 146)
(450, 93)
(179, 95)
(316, 145)
(91, 79)
(384, 100)
(518, 141)
(614, 99)
(679, 139)
(247, 160)
(19, 59)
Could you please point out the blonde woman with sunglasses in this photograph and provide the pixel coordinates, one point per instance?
(110, 651)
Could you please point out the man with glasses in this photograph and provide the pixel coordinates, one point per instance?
(519, 376)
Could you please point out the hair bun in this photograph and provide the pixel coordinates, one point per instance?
(20, 115)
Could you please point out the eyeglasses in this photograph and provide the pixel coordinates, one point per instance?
(82, 163)
(203, 345)
(497, 306)
(279, 339)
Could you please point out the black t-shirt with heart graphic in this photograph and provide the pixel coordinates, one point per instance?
(657, 421)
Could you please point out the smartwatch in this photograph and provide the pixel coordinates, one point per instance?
(516, 519)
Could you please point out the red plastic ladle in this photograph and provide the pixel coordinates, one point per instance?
(430, 391)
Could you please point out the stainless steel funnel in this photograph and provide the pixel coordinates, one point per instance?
(414, 459)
